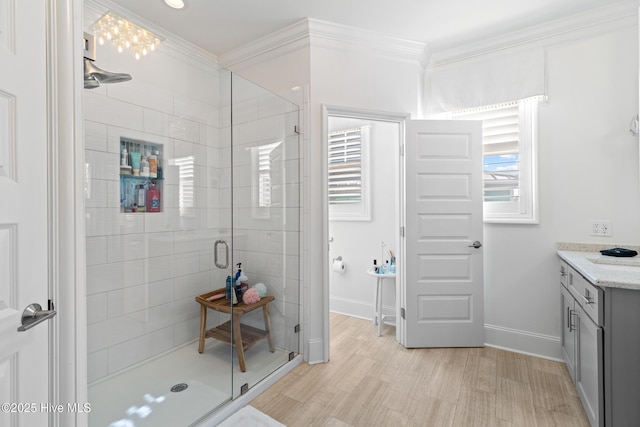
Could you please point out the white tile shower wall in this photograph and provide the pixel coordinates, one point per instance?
(144, 269)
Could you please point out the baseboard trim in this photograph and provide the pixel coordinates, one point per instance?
(356, 308)
(315, 351)
(351, 307)
(532, 344)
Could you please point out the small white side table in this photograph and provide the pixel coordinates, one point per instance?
(378, 316)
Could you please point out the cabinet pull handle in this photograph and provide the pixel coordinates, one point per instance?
(587, 299)
(572, 327)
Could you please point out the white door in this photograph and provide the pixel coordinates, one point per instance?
(24, 362)
(443, 295)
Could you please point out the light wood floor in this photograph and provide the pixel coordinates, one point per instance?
(374, 381)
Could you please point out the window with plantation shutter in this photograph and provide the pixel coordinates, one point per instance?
(509, 159)
(264, 175)
(347, 174)
(262, 157)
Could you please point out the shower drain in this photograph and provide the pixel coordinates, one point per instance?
(179, 387)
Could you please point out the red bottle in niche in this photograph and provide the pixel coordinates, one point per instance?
(153, 199)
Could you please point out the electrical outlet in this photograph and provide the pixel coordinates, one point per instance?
(601, 228)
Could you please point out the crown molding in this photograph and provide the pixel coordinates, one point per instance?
(595, 21)
(288, 39)
(338, 36)
(310, 33)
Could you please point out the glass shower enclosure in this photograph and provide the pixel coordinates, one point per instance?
(217, 189)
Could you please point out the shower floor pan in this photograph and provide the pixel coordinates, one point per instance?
(142, 396)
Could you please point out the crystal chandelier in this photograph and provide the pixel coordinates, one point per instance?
(125, 35)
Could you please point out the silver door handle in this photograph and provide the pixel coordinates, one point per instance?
(476, 245)
(215, 254)
(34, 314)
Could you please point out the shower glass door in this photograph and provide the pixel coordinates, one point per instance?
(164, 342)
(265, 195)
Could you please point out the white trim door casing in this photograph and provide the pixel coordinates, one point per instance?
(66, 194)
(443, 286)
(355, 113)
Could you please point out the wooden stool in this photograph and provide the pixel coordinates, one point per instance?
(242, 337)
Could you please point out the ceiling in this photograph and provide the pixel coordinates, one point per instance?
(219, 26)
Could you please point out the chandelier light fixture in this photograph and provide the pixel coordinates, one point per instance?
(125, 35)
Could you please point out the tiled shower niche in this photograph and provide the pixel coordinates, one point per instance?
(141, 176)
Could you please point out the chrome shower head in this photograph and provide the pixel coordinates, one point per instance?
(102, 76)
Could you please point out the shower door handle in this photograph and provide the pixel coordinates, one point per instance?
(226, 252)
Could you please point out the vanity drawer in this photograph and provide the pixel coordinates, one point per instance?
(564, 274)
(590, 297)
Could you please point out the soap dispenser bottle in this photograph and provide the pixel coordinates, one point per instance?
(244, 283)
(236, 284)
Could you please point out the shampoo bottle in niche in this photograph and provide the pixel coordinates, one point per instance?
(135, 162)
(142, 196)
(144, 166)
(153, 198)
(153, 165)
(125, 169)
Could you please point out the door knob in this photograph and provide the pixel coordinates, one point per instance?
(34, 314)
(476, 245)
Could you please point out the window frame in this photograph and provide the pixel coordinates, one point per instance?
(354, 211)
(525, 210)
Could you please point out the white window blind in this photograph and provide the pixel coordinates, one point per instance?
(509, 159)
(501, 134)
(348, 174)
(345, 166)
(264, 175)
(264, 166)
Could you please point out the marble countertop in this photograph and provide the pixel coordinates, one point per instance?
(601, 270)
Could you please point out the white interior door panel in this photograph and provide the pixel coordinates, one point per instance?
(24, 277)
(443, 213)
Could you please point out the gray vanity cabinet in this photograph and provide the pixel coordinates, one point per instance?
(589, 369)
(582, 340)
(622, 357)
(568, 336)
